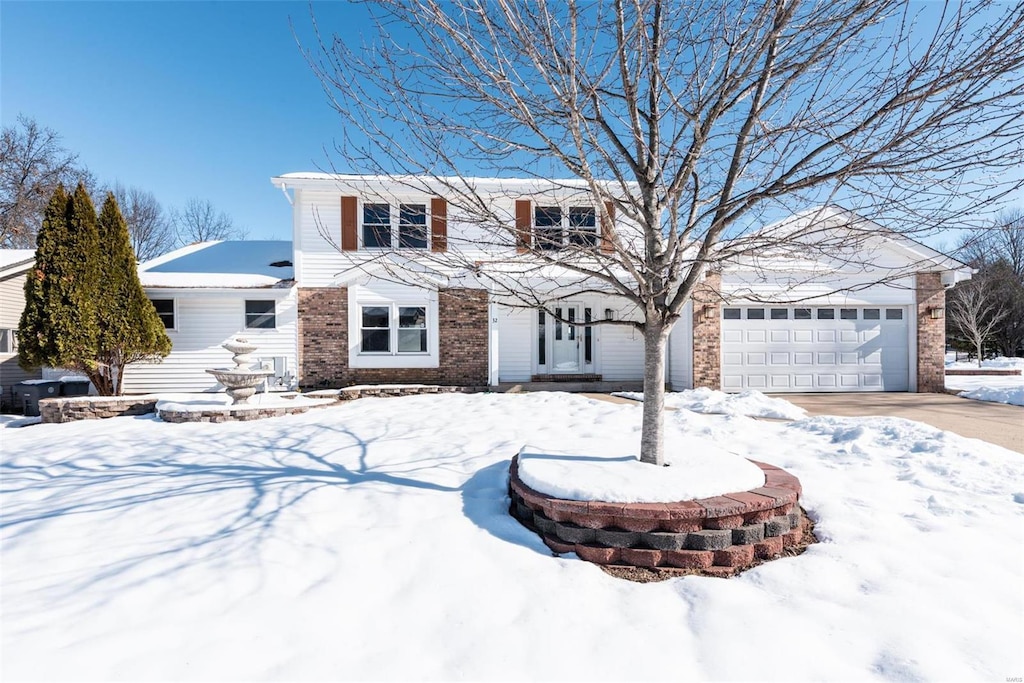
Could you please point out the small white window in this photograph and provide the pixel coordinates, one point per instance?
(801, 314)
(165, 309)
(731, 313)
(871, 313)
(8, 341)
(826, 314)
(780, 314)
(376, 329)
(894, 314)
(377, 225)
(755, 314)
(260, 314)
(848, 313)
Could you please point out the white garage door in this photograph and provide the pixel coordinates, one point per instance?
(815, 349)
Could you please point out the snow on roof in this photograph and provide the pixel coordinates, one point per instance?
(232, 264)
(15, 257)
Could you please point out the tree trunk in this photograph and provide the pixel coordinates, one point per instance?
(652, 436)
(979, 344)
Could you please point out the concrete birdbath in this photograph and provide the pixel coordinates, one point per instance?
(240, 381)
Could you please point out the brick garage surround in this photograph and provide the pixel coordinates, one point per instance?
(707, 333)
(323, 342)
(716, 536)
(931, 334)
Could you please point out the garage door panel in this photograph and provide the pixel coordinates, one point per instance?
(839, 353)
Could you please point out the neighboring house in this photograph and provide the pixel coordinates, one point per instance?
(371, 314)
(210, 292)
(14, 267)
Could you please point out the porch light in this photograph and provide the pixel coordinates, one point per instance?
(936, 312)
(709, 312)
(609, 314)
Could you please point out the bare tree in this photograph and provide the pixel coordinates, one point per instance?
(32, 163)
(694, 121)
(149, 227)
(975, 313)
(997, 251)
(200, 221)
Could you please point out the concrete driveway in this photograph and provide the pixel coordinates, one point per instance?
(996, 423)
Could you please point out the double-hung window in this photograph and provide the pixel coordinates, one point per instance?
(165, 309)
(583, 226)
(393, 329)
(547, 222)
(380, 221)
(8, 341)
(260, 315)
(555, 228)
(377, 225)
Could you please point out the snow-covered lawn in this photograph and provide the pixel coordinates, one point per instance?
(371, 541)
(995, 388)
(704, 400)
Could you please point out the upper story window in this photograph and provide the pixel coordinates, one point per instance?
(381, 220)
(260, 314)
(377, 225)
(555, 228)
(165, 309)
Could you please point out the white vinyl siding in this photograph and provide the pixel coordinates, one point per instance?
(12, 302)
(621, 351)
(680, 351)
(204, 321)
(517, 342)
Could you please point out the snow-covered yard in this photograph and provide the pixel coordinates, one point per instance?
(371, 541)
(995, 388)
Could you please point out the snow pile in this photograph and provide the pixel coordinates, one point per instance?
(751, 403)
(697, 469)
(1014, 395)
(372, 540)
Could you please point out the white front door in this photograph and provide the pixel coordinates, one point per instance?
(565, 340)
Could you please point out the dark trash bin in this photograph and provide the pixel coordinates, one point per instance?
(74, 386)
(28, 394)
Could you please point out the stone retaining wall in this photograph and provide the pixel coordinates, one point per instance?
(227, 414)
(715, 536)
(57, 410)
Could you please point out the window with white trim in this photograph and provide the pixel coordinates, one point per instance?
(555, 228)
(260, 314)
(393, 329)
(8, 341)
(404, 226)
(165, 309)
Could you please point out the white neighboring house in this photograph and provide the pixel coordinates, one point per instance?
(210, 292)
(14, 266)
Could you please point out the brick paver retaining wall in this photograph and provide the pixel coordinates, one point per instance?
(716, 536)
(56, 410)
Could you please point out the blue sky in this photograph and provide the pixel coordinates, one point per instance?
(183, 99)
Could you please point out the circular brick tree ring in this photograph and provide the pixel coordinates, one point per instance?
(716, 536)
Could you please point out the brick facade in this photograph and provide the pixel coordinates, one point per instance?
(707, 333)
(931, 334)
(323, 342)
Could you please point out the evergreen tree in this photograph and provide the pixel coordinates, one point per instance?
(129, 328)
(58, 325)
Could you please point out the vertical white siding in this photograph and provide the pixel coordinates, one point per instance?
(516, 337)
(622, 353)
(680, 351)
(204, 321)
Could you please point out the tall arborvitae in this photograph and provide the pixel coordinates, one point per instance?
(129, 328)
(58, 325)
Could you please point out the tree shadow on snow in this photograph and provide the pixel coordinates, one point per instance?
(246, 485)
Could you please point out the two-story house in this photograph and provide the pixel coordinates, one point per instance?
(389, 290)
